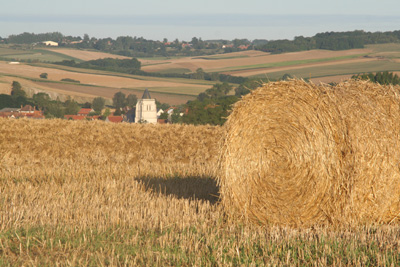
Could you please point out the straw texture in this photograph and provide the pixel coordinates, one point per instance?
(299, 154)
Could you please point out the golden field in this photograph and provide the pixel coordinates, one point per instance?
(85, 54)
(92, 193)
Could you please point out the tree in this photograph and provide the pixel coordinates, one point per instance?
(41, 99)
(199, 75)
(71, 107)
(7, 101)
(131, 100)
(16, 90)
(287, 77)
(218, 90)
(119, 100)
(54, 109)
(87, 105)
(107, 112)
(117, 112)
(98, 104)
(164, 116)
(43, 75)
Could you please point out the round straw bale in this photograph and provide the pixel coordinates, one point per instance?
(298, 154)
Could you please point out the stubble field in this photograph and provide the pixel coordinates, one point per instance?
(92, 193)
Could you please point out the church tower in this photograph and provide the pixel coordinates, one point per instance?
(146, 109)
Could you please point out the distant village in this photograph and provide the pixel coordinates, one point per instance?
(144, 112)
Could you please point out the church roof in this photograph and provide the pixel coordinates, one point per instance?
(146, 94)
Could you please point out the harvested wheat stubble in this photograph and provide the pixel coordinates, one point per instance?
(298, 154)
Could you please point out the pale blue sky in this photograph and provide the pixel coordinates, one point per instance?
(208, 19)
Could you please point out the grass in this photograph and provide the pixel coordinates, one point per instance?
(197, 246)
(94, 193)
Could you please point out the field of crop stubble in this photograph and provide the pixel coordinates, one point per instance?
(92, 193)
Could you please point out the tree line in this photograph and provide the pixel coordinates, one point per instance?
(132, 66)
(331, 41)
(384, 78)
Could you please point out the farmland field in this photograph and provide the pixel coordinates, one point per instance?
(176, 91)
(317, 65)
(93, 193)
(250, 58)
(321, 64)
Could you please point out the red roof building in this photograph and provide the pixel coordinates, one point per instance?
(85, 111)
(115, 119)
(74, 117)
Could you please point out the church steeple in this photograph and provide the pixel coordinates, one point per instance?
(146, 94)
(146, 109)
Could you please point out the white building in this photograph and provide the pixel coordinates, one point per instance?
(50, 43)
(146, 109)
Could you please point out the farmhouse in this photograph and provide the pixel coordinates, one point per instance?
(85, 111)
(146, 109)
(26, 111)
(114, 119)
(50, 43)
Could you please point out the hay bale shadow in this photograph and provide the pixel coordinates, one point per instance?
(196, 188)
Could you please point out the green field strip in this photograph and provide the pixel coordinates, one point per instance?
(61, 55)
(221, 57)
(182, 90)
(174, 71)
(335, 70)
(284, 63)
(38, 54)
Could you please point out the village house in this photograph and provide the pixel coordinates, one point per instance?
(114, 119)
(26, 111)
(50, 43)
(85, 111)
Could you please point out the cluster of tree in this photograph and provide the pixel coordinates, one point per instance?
(120, 101)
(211, 107)
(109, 64)
(51, 108)
(135, 46)
(30, 38)
(246, 87)
(132, 66)
(379, 77)
(331, 41)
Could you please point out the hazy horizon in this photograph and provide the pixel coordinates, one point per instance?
(212, 26)
(209, 19)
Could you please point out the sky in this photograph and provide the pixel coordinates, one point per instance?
(206, 19)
